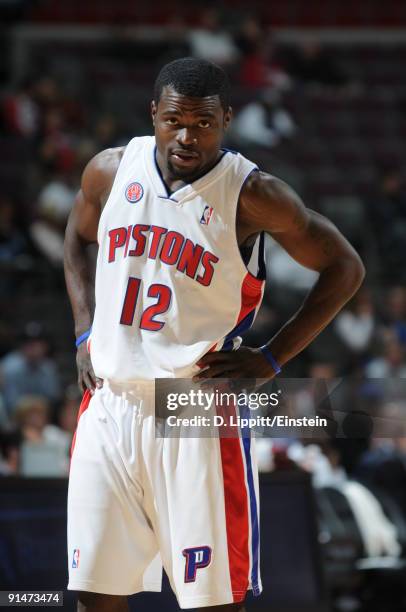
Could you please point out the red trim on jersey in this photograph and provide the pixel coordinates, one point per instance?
(237, 515)
(84, 405)
(251, 295)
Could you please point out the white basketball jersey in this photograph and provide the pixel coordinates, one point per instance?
(171, 283)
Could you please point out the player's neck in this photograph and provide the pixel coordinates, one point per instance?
(174, 183)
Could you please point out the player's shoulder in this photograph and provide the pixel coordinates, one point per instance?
(105, 161)
(99, 174)
(267, 197)
(266, 188)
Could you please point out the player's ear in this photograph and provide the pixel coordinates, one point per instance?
(227, 117)
(153, 111)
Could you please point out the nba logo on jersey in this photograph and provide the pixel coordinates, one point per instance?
(206, 216)
(134, 192)
(196, 558)
(75, 560)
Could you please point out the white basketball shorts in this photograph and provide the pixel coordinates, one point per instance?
(137, 501)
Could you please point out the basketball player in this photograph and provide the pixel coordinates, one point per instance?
(179, 223)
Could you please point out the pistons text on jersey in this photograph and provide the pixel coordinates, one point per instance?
(171, 247)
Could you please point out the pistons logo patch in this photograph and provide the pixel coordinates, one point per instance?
(197, 558)
(134, 192)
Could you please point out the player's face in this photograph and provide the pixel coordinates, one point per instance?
(188, 132)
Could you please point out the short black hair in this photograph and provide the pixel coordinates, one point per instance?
(195, 78)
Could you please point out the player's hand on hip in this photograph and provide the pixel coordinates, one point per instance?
(248, 363)
(86, 376)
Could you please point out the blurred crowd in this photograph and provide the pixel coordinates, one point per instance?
(49, 131)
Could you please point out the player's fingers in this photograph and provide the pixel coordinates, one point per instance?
(209, 373)
(90, 375)
(90, 384)
(81, 383)
(215, 371)
(96, 382)
(216, 357)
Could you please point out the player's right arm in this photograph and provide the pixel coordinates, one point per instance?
(81, 231)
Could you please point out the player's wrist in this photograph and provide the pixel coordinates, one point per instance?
(271, 359)
(82, 338)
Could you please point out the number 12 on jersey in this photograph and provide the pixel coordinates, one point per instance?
(147, 320)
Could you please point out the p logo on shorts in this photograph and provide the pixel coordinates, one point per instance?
(196, 558)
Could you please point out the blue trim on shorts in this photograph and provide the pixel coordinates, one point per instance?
(246, 440)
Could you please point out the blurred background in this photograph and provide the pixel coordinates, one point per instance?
(319, 98)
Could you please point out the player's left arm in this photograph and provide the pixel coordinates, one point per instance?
(268, 204)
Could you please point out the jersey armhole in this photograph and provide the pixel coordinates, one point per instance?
(255, 267)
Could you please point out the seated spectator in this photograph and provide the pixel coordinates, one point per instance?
(388, 218)
(57, 148)
(20, 112)
(392, 361)
(45, 447)
(29, 369)
(355, 325)
(10, 443)
(323, 370)
(47, 93)
(4, 417)
(13, 246)
(68, 413)
(383, 466)
(211, 42)
(47, 231)
(395, 312)
(283, 271)
(321, 461)
(264, 123)
(250, 36)
(258, 67)
(61, 116)
(320, 396)
(378, 534)
(264, 454)
(310, 64)
(12, 241)
(106, 133)
(258, 72)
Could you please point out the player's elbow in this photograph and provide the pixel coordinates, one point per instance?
(352, 272)
(361, 270)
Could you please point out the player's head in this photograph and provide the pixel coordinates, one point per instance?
(190, 111)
